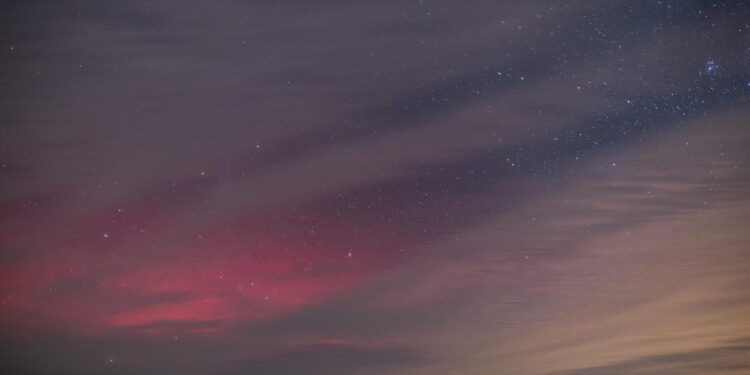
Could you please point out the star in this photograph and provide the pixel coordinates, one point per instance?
(711, 66)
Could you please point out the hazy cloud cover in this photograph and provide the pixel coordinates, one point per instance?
(419, 187)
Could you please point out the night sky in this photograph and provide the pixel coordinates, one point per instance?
(419, 187)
